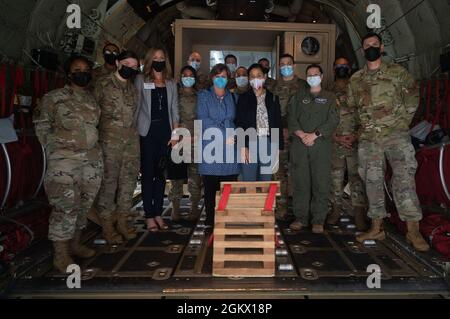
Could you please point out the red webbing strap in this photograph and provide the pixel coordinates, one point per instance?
(44, 87)
(36, 87)
(437, 113)
(224, 198)
(421, 104)
(447, 100)
(3, 90)
(428, 105)
(19, 80)
(270, 200)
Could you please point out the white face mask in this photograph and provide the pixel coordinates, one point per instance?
(257, 83)
(195, 65)
(314, 81)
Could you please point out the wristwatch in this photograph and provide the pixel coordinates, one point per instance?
(318, 134)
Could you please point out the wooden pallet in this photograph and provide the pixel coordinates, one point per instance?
(244, 232)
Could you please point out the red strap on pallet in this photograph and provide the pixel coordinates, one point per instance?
(224, 198)
(3, 90)
(438, 109)
(270, 200)
(428, 105)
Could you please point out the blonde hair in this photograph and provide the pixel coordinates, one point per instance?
(148, 70)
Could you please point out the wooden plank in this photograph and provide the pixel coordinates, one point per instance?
(249, 202)
(252, 186)
(243, 231)
(244, 218)
(247, 210)
(238, 257)
(246, 244)
(243, 272)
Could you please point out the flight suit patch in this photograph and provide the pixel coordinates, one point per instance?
(320, 100)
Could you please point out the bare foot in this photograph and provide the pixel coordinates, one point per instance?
(161, 223)
(151, 225)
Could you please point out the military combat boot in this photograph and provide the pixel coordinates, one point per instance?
(334, 216)
(360, 219)
(61, 257)
(109, 233)
(296, 225)
(175, 215)
(376, 232)
(195, 212)
(414, 237)
(123, 227)
(317, 229)
(78, 249)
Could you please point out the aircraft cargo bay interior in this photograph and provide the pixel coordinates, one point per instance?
(289, 149)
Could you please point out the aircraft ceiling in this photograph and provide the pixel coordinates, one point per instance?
(415, 32)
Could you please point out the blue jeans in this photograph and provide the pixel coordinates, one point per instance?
(252, 172)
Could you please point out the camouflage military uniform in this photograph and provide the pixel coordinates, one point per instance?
(188, 114)
(343, 158)
(120, 144)
(285, 91)
(100, 72)
(202, 81)
(270, 84)
(386, 100)
(66, 125)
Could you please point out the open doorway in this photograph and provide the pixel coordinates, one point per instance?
(250, 41)
(244, 58)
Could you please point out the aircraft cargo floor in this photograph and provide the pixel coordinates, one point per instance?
(177, 263)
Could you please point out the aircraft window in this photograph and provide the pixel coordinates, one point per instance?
(310, 46)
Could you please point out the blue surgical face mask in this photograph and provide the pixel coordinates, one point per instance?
(195, 65)
(287, 70)
(314, 81)
(242, 81)
(232, 67)
(220, 82)
(188, 81)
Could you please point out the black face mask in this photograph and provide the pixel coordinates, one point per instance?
(81, 79)
(110, 58)
(127, 72)
(266, 70)
(342, 72)
(372, 53)
(159, 66)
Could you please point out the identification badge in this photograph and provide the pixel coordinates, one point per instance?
(149, 86)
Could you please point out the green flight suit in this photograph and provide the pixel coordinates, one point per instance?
(311, 166)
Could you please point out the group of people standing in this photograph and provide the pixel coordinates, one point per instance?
(102, 124)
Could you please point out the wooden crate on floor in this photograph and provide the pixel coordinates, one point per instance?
(244, 231)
